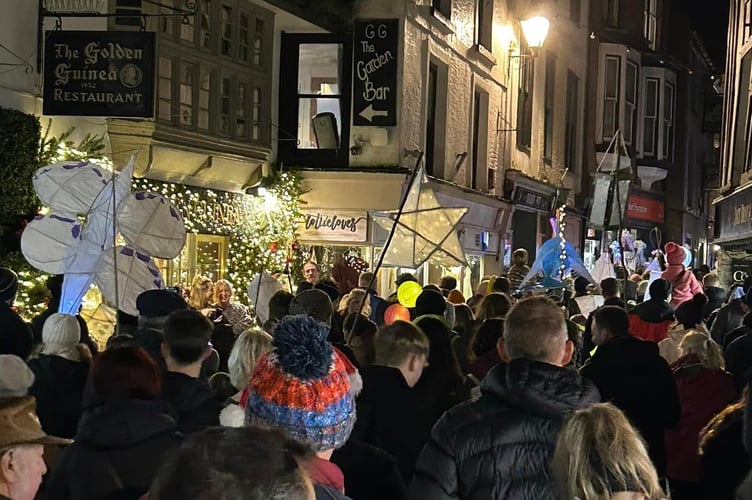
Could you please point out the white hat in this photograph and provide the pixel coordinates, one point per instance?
(61, 329)
(15, 377)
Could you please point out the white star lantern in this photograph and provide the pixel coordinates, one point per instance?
(90, 208)
(425, 230)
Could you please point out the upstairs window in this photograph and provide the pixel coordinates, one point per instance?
(525, 99)
(650, 127)
(668, 121)
(443, 7)
(611, 13)
(650, 17)
(548, 113)
(314, 100)
(485, 23)
(611, 93)
(570, 126)
(630, 103)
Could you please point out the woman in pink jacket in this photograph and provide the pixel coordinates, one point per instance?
(683, 282)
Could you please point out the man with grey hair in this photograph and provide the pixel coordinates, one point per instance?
(500, 445)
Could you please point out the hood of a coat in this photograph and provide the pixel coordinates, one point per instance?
(124, 423)
(539, 388)
(654, 311)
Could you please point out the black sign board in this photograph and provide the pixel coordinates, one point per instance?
(375, 67)
(734, 216)
(532, 199)
(99, 73)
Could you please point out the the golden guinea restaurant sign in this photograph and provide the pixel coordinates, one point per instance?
(99, 73)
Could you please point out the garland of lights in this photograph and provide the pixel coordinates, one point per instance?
(561, 224)
(261, 229)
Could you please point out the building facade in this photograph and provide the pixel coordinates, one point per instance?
(649, 80)
(733, 217)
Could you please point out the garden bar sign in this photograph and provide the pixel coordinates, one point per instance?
(375, 65)
(99, 73)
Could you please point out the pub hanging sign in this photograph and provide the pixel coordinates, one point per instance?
(99, 73)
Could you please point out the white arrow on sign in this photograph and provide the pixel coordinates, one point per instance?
(369, 113)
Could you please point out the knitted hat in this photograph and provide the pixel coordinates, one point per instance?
(674, 254)
(581, 284)
(15, 377)
(158, 303)
(690, 313)
(314, 303)
(660, 289)
(8, 284)
(303, 385)
(455, 297)
(430, 302)
(61, 329)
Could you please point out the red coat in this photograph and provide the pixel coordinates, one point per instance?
(703, 393)
(654, 332)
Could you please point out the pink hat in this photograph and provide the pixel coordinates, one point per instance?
(674, 254)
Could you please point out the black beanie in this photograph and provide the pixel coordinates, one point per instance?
(660, 289)
(430, 302)
(689, 313)
(8, 284)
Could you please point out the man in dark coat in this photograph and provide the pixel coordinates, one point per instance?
(153, 308)
(388, 413)
(15, 335)
(730, 316)
(500, 446)
(185, 346)
(711, 285)
(631, 374)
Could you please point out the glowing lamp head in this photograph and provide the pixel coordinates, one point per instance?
(535, 30)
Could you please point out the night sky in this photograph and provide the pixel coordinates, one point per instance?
(710, 20)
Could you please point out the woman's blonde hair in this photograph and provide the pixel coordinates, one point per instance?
(248, 348)
(344, 303)
(199, 286)
(599, 453)
(705, 348)
(222, 283)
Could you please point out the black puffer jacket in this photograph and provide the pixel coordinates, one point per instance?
(728, 318)
(119, 448)
(499, 446)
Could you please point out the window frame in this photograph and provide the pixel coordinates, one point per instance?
(571, 121)
(669, 122)
(548, 107)
(526, 84)
(652, 153)
(650, 22)
(611, 13)
(171, 46)
(442, 7)
(288, 152)
(631, 103)
(612, 101)
(484, 23)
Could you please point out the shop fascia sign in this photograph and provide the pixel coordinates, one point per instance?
(99, 73)
(735, 215)
(333, 225)
(647, 209)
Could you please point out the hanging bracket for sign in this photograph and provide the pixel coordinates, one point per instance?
(60, 9)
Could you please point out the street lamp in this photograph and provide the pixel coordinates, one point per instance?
(535, 30)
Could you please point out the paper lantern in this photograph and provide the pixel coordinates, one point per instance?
(408, 293)
(396, 312)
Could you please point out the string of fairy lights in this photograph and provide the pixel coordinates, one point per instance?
(561, 224)
(260, 229)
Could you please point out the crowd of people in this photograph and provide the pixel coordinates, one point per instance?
(627, 389)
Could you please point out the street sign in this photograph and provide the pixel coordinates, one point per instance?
(99, 73)
(375, 47)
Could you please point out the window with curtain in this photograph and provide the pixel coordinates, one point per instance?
(650, 122)
(630, 102)
(668, 121)
(570, 126)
